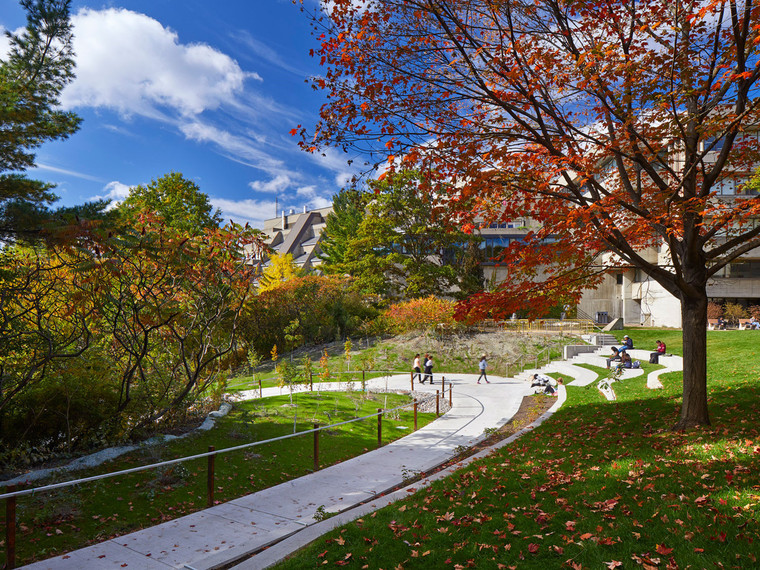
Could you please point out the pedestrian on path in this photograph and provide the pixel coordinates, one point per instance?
(482, 366)
(428, 369)
(416, 367)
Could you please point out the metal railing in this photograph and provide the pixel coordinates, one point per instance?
(13, 492)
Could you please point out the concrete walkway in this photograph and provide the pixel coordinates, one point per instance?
(224, 533)
(260, 529)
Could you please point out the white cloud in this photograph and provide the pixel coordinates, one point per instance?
(114, 191)
(253, 212)
(131, 63)
(241, 149)
(276, 185)
(73, 173)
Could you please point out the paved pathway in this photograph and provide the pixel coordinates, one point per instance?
(284, 518)
(226, 532)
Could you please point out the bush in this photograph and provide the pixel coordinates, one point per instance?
(419, 315)
(733, 312)
(714, 310)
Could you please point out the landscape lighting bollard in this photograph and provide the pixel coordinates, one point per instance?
(415, 414)
(316, 447)
(379, 427)
(210, 472)
(10, 529)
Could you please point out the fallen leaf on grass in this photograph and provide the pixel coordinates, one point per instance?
(662, 549)
(613, 564)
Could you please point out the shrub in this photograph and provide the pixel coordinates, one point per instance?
(734, 312)
(714, 310)
(419, 314)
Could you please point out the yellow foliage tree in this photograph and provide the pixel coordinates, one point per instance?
(281, 268)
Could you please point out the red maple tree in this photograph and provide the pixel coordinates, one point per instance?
(614, 124)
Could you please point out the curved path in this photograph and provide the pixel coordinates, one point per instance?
(277, 521)
(224, 533)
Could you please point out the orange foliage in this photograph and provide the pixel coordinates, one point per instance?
(419, 314)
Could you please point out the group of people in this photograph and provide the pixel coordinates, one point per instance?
(428, 364)
(624, 360)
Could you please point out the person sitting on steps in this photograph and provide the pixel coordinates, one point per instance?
(615, 356)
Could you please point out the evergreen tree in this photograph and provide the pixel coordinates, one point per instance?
(341, 227)
(39, 65)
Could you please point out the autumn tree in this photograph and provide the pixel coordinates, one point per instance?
(615, 125)
(174, 199)
(39, 64)
(279, 269)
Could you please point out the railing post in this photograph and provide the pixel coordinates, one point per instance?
(443, 384)
(416, 405)
(210, 473)
(437, 403)
(379, 427)
(10, 529)
(411, 376)
(451, 395)
(261, 390)
(316, 447)
(311, 381)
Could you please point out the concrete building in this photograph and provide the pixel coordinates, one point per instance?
(297, 234)
(631, 294)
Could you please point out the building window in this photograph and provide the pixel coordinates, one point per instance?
(744, 270)
(619, 278)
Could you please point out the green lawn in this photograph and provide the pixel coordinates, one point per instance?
(56, 522)
(600, 485)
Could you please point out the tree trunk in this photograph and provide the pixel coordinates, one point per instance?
(694, 317)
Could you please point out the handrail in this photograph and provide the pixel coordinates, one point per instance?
(197, 456)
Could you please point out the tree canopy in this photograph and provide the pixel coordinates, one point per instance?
(400, 244)
(616, 126)
(177, 201)
(39, 65)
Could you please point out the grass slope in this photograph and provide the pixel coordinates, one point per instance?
(600, 485)
(56, 522)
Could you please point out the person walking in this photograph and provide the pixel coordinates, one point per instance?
(428, 369)
(482, 366)
(416, 368)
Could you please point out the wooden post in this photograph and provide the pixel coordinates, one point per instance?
(316, 448)
(437, 403)
(412, 378)
(261, 390)
(311, 381)
(210, 473)
(379, 427)
(451, 395)
(443, 384)
(10, 529)
(416, 404)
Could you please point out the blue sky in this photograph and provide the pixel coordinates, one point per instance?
(208, 89)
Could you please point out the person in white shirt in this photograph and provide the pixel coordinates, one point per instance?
(416, 367)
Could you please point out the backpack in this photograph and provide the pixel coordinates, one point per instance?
(636, 364)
